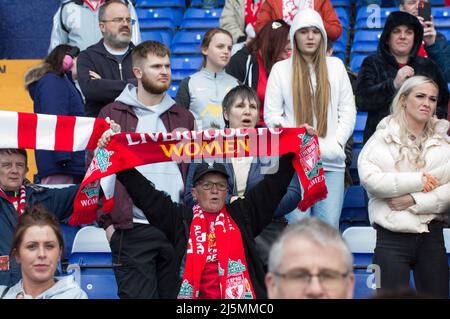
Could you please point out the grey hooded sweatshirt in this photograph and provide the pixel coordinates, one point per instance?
(166, 176)
(64, 288)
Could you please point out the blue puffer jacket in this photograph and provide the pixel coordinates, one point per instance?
(58, 201)
(57, 95)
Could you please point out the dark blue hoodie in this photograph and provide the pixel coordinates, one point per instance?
(57, 95)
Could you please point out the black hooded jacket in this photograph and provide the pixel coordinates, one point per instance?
(375, 85)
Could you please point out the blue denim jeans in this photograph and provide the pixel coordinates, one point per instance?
(329, 209)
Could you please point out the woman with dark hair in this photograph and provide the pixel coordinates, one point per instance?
(53, 92)
(252, 64)
(37, 246)
(202, 92)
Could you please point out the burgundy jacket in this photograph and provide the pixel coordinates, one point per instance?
(175, 117)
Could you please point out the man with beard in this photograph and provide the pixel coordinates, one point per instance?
(143, 258)
(104, 69)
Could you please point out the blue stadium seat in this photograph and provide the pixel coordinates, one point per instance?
(198, 3)
(69, 233)
(91, 264)
(187, 42)
(343, 39)
(158, 18)
(342, 3)
(160, 3)
(360, 124)
(437, 2)
(161, 35)
(381, 3)
(354, 210)
(173, 89)
(441, 17)
(366, 41)
(340, 55)
(195, 18)
(183, 66)
(343, 17)
(338, 47)
(371, 18)
(356, 61)
(361, 241)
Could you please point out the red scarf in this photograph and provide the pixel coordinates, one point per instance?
(251, 12)
(232, 266)
(127, 150)
(18, 205)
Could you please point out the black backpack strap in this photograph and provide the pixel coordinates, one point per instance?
(79, 2)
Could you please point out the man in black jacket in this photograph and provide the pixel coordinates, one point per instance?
(104, 69)
(382, 73)
(211, 230)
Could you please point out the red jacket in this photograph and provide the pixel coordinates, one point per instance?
(175, 117)
(272, 10)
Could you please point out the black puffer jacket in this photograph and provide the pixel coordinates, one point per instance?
(375, 85)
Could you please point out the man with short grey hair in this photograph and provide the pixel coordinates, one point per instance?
(310, 260)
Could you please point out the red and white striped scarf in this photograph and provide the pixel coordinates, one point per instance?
(20, 208)
(50, 132)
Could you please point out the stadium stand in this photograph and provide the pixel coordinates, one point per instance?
(91, 263)
(354, 210)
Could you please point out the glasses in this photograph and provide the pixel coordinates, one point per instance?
(328, 279)
(206, 185)
(121, 20)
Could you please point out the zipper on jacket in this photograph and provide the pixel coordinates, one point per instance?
(120, 70)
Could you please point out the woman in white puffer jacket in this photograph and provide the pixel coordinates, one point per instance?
(405, 169)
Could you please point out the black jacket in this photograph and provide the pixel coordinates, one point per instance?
(375, 85)
(115, 76)
(251, 214)
(244, 67)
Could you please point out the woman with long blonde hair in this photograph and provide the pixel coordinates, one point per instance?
(405, 169)
(313, 89)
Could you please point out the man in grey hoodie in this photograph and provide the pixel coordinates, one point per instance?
(143, 258)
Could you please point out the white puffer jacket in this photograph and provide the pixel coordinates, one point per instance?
(380, 178)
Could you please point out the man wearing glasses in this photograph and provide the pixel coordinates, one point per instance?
(213, 241)
(310, 260)
(104, 69)
(76, 24)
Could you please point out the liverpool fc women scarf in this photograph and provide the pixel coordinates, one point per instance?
(232, 266)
